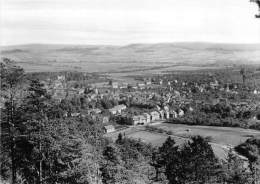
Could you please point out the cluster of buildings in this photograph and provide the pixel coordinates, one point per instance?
(146, 117)
(164, 114)
(170, 94)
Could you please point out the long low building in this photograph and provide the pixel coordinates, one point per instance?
(139, 120)
(117, 109)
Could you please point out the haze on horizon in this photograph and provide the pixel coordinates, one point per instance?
(120, 22)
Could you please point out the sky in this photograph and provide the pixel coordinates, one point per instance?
(119, 22)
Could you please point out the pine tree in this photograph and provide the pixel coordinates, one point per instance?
(112, 168)
(119, 138)
(11, 78)
(235, 171)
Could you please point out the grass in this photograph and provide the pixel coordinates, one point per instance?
(220, 135)
(148, 137)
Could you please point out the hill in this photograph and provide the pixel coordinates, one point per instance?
(106, 58)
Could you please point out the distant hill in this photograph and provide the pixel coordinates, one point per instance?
(106, 58)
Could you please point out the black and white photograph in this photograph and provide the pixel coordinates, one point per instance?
(130, 92)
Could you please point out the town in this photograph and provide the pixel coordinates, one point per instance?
(165, 98)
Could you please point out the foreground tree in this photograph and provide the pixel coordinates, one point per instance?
(11, 79)
(235, 171)
(195, 162)
(35, 106)
(168, 152)
(251, 150)
(112, 170)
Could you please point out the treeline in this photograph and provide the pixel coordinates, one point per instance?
(219, 115)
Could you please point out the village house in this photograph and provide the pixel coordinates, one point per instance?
(135, 120)
(109, 128)
(142, 120)
(57, 84)
(148, 82)
(114, 85)
(155, 115)
(81, 91)
(191, 109)
(148, 117)
(75, 114)
(173, 114)
(166, 114)
(61, 77)
(105, 119)
(214, 85)
(139, 120)
(180, 113)
(113, 111)
(123, 86)
(141, 85)
(117, 109)
(65, 114)
(161, 112)
(94, 111)
(255, 92)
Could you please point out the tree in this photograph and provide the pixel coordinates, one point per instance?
(34, 115)
(251, 150)
(160, 159)
(112, 169)
(243, 74)
(234, 170)
(11, 78)
(193, 163)
(73, 159)
(200, 160)
(119, 138)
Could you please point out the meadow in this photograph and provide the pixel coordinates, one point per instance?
(220, 135)
(221, 138)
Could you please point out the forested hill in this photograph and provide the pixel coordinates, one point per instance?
(44, 57)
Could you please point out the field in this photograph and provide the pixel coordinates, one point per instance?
(222, 138)
(220, 135)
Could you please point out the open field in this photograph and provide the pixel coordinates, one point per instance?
(157, 139)
(148, 137)
(222, 137)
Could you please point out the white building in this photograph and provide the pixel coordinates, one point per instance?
(117, 109)
(155, 115)
(61, 77)
(140, 119)
(148, 117)
(135, 120)
(181, 113)
(173, 114)
(109, 128)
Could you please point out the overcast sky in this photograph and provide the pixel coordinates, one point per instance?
(128, 21)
